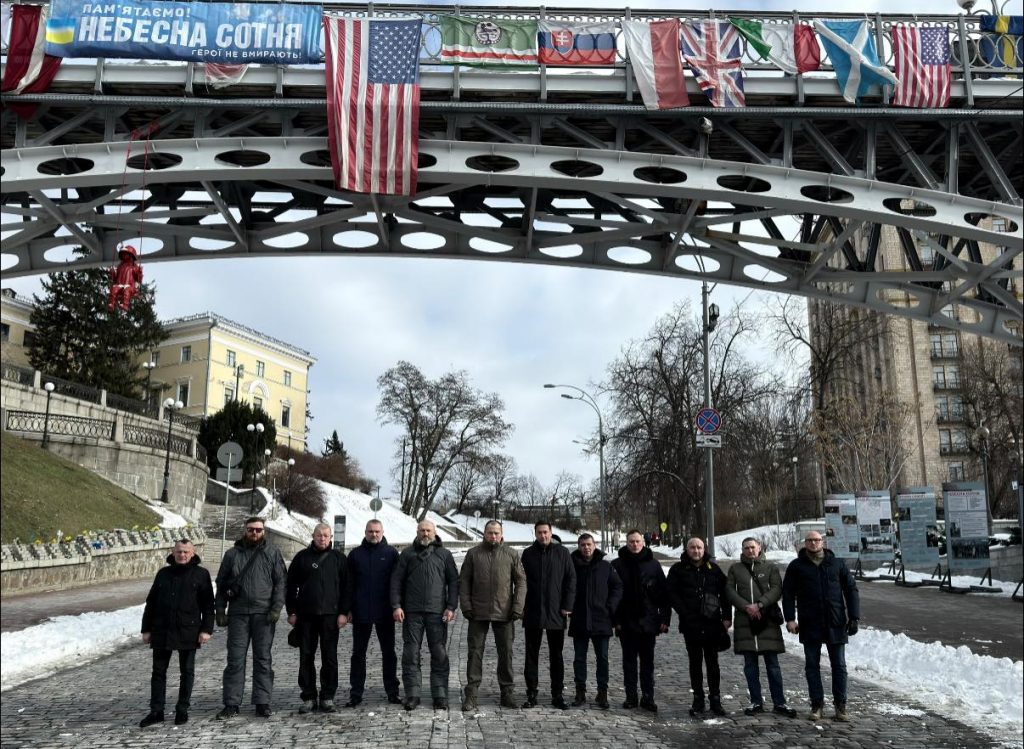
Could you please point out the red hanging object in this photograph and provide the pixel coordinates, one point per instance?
(125, 278)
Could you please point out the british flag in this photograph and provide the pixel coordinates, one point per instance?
(712, 50)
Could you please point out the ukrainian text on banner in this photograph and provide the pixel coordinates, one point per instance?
(918, 529)
(874, 522)
(277, 33)
(966, 526)
(841, 532)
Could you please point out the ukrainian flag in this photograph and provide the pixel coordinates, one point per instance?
(1002, 46)
(60, 31)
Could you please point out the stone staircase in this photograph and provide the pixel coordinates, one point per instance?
(212, 523)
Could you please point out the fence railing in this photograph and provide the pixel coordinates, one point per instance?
(73, 389)
(189, 423)
(59, 424)
(132, 405)
(20, 375)
(146, 436)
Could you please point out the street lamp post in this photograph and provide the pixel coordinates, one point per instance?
(170, 405)
(239, 371)
(48, 387)
(149, 367)
(256, 430)
(710, 320)
(796, 488)
(983, 434)
(585, 397)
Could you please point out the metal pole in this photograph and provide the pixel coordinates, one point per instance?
(239, 368)
(709, 468)
(601, 479)
(983, 444)
(167, 458)
(224, 532)
(46, 419)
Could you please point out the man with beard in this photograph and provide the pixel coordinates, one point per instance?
(318, 604)
(250, 596)
(424, 595)
(598, 593)
(643, 615)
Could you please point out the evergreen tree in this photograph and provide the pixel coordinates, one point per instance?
(334, 446)
(79, 339)
(230, 424)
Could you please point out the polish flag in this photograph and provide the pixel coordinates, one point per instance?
(653, 50)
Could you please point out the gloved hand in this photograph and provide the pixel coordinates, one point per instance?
(852, 626)
(273, 615)
(221, 618)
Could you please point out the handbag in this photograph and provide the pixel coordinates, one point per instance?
(711, 606)
(724, 641)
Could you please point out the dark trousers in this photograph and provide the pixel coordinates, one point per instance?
(752, 672)
(318, 630)
(579, 663)
(556, 638)
(417, 624)
(699, 649)
(242, 630)
(158, 683)
(504, 636)
(638, 647)
(812, 669)
(388, 660)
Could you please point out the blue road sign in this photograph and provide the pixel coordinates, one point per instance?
(708, 420)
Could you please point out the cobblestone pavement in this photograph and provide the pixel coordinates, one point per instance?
(100, 704)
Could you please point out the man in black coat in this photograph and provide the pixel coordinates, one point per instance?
(598, 593)
(369, 569)
(550, 593)
(317, 599)
(820, 586)
(178, 616)
(643, 615)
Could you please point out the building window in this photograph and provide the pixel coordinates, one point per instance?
(936, 343)
(287, 378)
(956, 408)
(183, 392)
(286, 416)
(257, 402)
(261, 369)
(953, 376)
(155, 357)
(29, 340)
(950, 345)
(960, 440)
(956, 471)
(186, 354)
(945, 442)
(5, 331)
(942, 409)
(232, 359)
(998, 224)
(939, 376)
(229, 395)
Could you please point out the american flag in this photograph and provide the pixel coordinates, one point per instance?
(373, 103)
(922, 66)
(712, 50)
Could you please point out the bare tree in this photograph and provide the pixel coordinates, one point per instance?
(446, 422)
(466, 480)
(504, 483)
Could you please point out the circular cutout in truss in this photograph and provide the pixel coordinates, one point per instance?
(629, 255)
(8, 260)
(757, 272)
(698, 263)
(826, 194)
(242, 158)
(320, 157)
(989, 220)
(491, 163)
(898, 298)
(287, 241)
(489, 246)
(64, 253)
(356, 239)
(424, 240)
(153, 161)
(577, 168)
(210, 245)
(660, 175)
(909, 207)
(425, 160)
(742, 183)
(65, 165)
(563, 251)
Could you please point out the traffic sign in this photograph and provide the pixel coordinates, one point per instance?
(229, 454)
(229, 474)
(376, 504)
(709, 440)
(708, 420)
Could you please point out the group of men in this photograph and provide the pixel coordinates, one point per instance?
(375, 587)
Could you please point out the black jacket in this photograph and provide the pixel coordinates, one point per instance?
(825, 595)
(644, 607)
(318, 583)
(369, 571)
(425, 579)
(598, 593)
(179, 606)
(687, 586)
(550, 585)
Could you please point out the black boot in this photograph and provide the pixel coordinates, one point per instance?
(716, 705)
(155, 716)
(581, 696)
(602, 699)
(558, 702)
(647, 703)
(698, 705)
(531, 699)
(631, 702)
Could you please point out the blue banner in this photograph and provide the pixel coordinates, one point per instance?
(226, 33)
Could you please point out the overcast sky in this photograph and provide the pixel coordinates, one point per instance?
(512, 327)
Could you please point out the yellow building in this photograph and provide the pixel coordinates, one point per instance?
(15, 327)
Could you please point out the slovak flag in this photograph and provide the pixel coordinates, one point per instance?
(576, 43)
(654, 54)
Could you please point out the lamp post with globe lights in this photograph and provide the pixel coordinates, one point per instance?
(170, 405)
(256, 430)
(49, 388)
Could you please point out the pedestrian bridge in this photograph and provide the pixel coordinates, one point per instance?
(562, 166)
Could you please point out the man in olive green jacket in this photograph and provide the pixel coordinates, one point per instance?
(492, 594)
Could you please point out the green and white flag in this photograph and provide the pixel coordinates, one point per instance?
(488, 41)
(792, 48)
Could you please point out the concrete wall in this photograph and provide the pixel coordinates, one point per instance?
(1007, 563)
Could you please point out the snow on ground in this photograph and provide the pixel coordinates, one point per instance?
(168, 518)
(514, 532)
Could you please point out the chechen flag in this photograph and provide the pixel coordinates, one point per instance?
(373, 102)
(922, 66)
(561, 43)
(654, 53)
(28, 70)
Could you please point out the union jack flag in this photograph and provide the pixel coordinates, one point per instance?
(712, 50)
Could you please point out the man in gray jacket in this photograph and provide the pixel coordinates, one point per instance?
(250, 596)
(492, 592)
(424, 594)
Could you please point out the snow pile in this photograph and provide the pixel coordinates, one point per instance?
(168, 518)
(514, 532)
(1005, 588)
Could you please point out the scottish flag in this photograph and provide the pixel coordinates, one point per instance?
(851, 48)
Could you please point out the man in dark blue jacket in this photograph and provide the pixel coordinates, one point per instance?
(819, 586)
(369, 569)
(178, 616)
(317, 599)
(598, 593)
